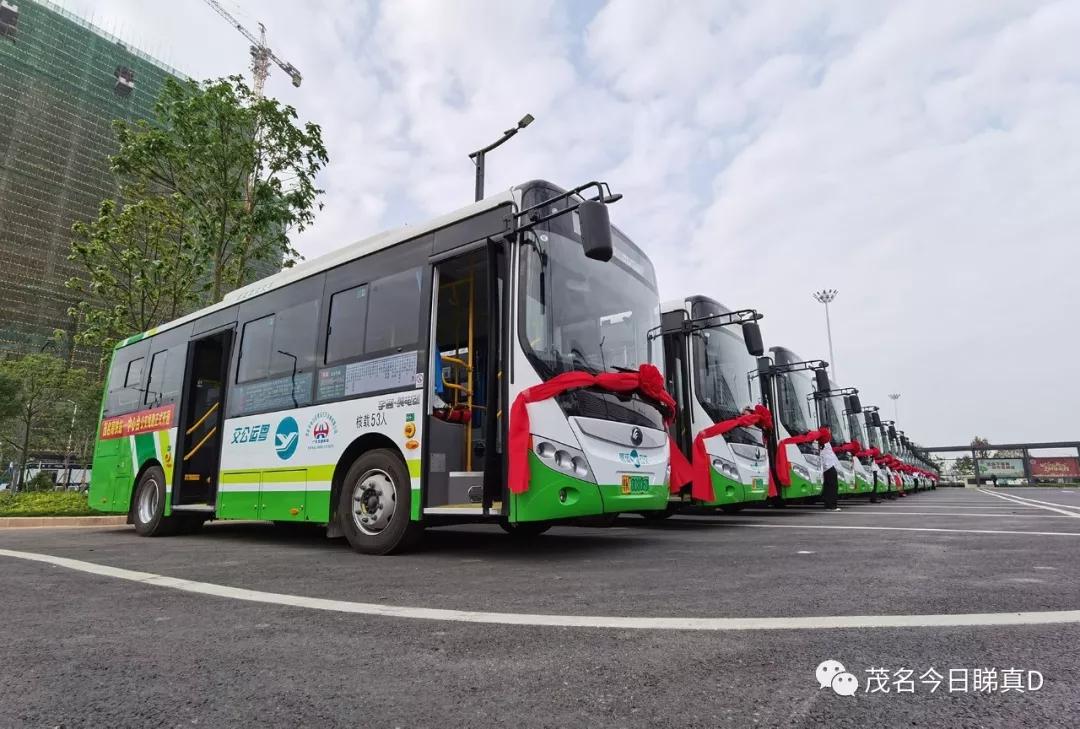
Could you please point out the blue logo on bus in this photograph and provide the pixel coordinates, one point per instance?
(286, 437)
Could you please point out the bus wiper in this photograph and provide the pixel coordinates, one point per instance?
(618, 368)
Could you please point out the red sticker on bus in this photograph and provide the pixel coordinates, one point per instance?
(144, 421)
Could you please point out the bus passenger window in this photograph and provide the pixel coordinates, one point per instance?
(393, 320)
(255, 349)
(345, 334)
(295, 332)
(132, 380)
(156, 377)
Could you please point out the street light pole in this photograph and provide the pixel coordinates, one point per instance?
(894, 396)
(826, 296)
(67, 452)
(478, 156)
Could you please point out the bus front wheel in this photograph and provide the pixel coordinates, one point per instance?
(148, 507)
(374, 504)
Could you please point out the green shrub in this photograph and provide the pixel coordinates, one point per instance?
(44, 503)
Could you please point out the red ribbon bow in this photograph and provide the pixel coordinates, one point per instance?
(702, 488)
(783, 465)
(851, 447)
(647, 380)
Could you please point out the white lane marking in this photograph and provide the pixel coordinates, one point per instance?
(1031, 501)
(898, 529)
(1006, 514)
(559, 621)
(803, 551)
(1058, 508)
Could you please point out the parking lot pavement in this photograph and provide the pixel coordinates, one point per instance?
(85, 649)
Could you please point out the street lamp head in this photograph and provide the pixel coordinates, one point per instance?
(825, 296)
(525, 121)
(894, 395)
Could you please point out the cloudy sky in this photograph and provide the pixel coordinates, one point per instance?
(921, 157)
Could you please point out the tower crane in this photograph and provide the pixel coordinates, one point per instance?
(261, 55)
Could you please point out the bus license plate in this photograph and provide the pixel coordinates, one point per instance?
(635, 484)
(758, 484)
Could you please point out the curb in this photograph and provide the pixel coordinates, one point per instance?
(39, 522)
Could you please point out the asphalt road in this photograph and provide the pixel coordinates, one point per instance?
(89, 650)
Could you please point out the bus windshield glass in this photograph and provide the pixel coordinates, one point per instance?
(836, 425)
(583, 314)
(855, 428)
(875, 438)
(721, 364)
(793, 389)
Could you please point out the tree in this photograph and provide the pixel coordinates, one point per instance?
(964, 466)
(142, 268)
(980, 446)
(1009, 453)
(47, 397)
(241, 168)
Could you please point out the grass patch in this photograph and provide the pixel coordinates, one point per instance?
(45, 503)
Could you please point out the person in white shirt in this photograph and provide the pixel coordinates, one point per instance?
(831, 466)
(876, 471)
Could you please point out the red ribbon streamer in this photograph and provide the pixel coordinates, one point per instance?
(851, 447)
(647, 380)
(783, 465)
(702, 488)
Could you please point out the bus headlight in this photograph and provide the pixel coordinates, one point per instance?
(801, 471)
(563, 458)
(725, 467)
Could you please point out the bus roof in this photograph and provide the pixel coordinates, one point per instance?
(333, 259)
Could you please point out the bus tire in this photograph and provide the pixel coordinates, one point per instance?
(524, 529)
(374, 504)
(148, 506)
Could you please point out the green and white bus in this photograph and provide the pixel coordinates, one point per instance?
(796, 412)
(371, 389)
(709, 352)
(838, 413)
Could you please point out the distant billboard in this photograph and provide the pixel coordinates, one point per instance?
(1059, 467)
(1001, 467)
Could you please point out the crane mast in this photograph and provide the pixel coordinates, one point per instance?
(261, 55)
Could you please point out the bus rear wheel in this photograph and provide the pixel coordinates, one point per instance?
(374, 504)
(148, 507)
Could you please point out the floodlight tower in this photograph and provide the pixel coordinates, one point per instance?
(826, 296)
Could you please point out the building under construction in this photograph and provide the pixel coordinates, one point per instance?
(62, 83)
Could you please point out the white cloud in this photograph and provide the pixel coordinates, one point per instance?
(919, 156)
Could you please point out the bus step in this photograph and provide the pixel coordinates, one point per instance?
(203, 508)
(466, 487)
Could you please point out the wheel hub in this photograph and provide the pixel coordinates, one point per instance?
(374, 502)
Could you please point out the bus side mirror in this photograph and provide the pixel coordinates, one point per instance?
(752, 336)
(855, 405)
(821, 377)
(868, 418)
(877, 419)
(595, 230)
(764, 366)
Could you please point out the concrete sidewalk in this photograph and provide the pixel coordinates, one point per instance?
(39, 522)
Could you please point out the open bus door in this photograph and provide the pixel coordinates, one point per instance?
(202, 415)
(465, 416)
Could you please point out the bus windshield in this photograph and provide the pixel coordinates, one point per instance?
(836, 425)
(855, 428)
(875, 438)
(793, 389)
(721, 364)
(582, 314)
